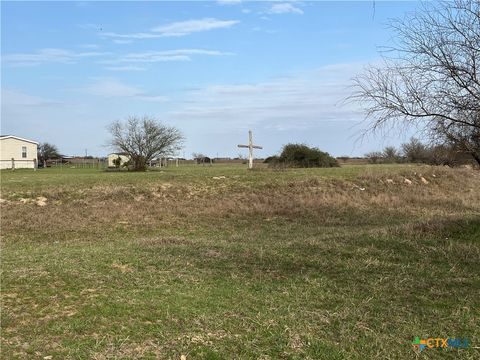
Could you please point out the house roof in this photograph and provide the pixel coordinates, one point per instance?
(118, 153)
(18, 138)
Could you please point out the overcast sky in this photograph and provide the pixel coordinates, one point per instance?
(213, 69)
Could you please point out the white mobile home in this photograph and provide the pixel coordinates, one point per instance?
(124, 158)
(18, 153)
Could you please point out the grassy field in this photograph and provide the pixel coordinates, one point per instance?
(224, 263)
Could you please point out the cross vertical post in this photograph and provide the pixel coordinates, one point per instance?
(250, 150)
(250, 147)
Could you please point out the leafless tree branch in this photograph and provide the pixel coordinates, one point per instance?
(430, 75)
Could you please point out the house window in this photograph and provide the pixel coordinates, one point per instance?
(24, 152)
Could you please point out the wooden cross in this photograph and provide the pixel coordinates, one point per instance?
(250, 147)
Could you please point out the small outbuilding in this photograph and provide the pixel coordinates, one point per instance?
(124, 158)
(18, 153)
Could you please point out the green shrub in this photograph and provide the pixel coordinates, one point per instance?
(271, 160)
(301, 155)
(117, 162)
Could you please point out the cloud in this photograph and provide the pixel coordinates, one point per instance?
(44, 119)
(162, 56)
(301, 100)
(122, 41)
(175, 29)
(31, 116)
(305, 106)
(16, 98)
(182, 28)
(89, 46)
(125, 68)
(285, 8)
(135, 36)
(49, 55)
(229, 2)
(267, 31)
(113, 88)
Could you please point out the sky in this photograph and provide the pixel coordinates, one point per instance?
(213, 69)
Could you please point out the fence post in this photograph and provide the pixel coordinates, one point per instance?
(13, 164)
(34, 164)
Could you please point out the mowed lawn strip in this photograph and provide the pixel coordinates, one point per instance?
(263, 264)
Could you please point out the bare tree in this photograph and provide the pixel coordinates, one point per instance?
(47, 151)
(414, 151)
(430, 75)
(198, 155)
(144, 139)
(390, 154)
(374, 157)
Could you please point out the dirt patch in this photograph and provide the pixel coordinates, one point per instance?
(124, 268)
(423, 180)
(41, 201)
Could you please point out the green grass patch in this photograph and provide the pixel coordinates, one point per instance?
(314, 269)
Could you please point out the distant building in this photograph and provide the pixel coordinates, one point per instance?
(17, 153)
(124, 158)
(203, 160)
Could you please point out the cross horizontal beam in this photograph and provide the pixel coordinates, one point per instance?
(247, 146)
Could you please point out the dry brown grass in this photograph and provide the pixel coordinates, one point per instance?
(449, 193)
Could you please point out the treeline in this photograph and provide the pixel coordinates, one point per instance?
(415, 151)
